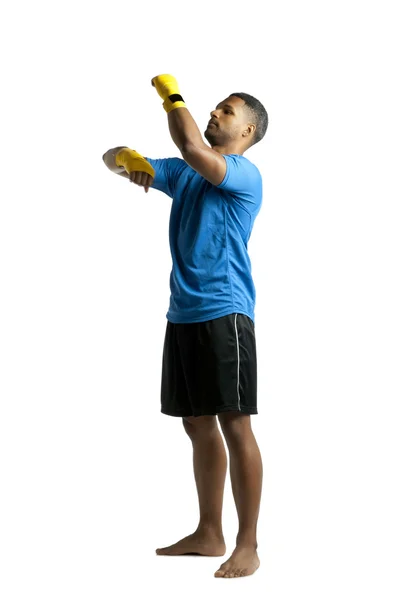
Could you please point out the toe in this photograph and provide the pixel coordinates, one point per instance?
(243, 572)
(237, 572)
(221, 571)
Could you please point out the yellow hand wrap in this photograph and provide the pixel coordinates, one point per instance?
(133, 161)
(167, 88)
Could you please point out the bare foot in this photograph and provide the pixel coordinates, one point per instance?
(205, 544)
(244, 561)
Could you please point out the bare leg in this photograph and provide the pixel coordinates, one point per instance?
(246, 478)
(210, 465)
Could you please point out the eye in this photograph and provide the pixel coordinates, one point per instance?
(228, 111)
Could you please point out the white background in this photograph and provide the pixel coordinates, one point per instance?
(93, 476)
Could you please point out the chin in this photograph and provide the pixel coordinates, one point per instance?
(211, 139)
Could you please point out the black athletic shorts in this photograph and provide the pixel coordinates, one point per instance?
(209, 367)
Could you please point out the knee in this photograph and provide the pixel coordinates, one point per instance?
(195, 426)
(235, 426)
(187, 425)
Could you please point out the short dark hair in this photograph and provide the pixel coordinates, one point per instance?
(258, 112)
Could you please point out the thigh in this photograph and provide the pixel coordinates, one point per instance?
(220, 364)
(174, 393)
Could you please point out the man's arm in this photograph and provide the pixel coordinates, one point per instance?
(136, 176)
(186, 135)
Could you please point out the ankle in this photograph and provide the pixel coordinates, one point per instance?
(210, 529)
(246, 541)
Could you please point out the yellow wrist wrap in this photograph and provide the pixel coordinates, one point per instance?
(167, 87)
(133, 161)
(168, 105)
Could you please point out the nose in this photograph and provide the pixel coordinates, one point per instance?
(214, 114)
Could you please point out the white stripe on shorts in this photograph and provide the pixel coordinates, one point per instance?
(238, 362)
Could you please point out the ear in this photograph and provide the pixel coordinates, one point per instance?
(249, 130)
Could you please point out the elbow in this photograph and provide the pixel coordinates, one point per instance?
(189, 148)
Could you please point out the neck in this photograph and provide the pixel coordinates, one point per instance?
(228, 149)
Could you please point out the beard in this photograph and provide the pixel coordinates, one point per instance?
(212, 136)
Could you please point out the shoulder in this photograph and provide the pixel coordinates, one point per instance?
(241, 161)
(240, 172)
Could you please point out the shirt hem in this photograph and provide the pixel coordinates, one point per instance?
(176, 319)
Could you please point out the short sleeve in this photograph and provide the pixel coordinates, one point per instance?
(167, 171)
(242, 180)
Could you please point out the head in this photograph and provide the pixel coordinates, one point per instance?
(238, 122)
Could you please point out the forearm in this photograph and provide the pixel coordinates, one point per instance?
(186, 135)
(184, 130)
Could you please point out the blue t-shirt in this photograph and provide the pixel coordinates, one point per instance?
(208, 233)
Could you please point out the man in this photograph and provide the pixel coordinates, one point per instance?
(209, 358)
